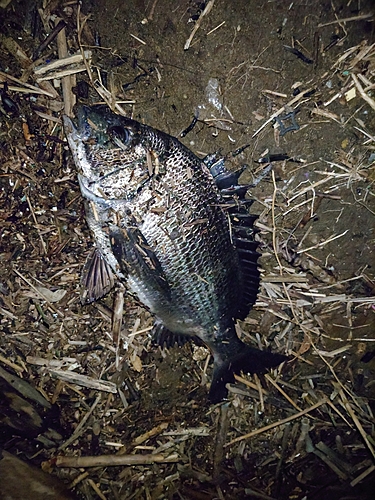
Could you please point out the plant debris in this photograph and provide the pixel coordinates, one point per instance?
(85, 396)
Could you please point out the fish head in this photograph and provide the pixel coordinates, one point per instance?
(100, 127)
(110, 152)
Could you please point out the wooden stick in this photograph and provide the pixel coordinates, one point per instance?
(81, 426)
(362, 476)
(270, 379)
(260, 391)
(69, 97)
(118, 311)
(363, 94)
(115, 460)
(281, 110)
(276, 424)
(357, 423)
(44, 246)
(347, 19)
(220, 440)
(59, 63)
(249, 384)
(96, 488)
(4, 77)
(84, 380)
(149, 434)
(62, 74)
(6, 361)
(207, 9)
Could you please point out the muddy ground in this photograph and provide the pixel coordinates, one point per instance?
(316, 232)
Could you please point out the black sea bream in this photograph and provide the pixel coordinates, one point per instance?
(175, 229)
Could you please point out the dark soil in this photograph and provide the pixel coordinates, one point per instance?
(318, 307)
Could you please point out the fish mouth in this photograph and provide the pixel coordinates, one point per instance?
(86, 131)
(76, 141)
(69, 127)
(80, 128)
(83, 128)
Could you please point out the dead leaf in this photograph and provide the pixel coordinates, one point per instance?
(51, 296)
(137, 363)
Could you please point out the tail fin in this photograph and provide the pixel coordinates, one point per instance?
(249, 360)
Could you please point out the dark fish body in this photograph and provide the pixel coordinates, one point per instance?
(175, 229)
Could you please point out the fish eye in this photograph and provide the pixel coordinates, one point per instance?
(119, 136)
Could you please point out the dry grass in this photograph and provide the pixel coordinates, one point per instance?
(95, 364)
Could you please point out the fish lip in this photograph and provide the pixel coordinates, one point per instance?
(80, 128)
(76, 145)
(68, 124)
(71, 131)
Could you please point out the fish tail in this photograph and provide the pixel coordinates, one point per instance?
(247, 360)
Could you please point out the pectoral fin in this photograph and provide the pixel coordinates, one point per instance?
(137, 259)
(97, 277)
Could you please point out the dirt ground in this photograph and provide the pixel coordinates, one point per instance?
(252, 71)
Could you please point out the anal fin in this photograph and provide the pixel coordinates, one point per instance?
(163, 337)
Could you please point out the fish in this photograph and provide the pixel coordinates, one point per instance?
(176, 230)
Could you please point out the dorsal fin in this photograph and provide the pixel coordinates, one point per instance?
(243, 240)
(242, 231)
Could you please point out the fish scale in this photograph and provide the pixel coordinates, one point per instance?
(175, 229)
(183, 257)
